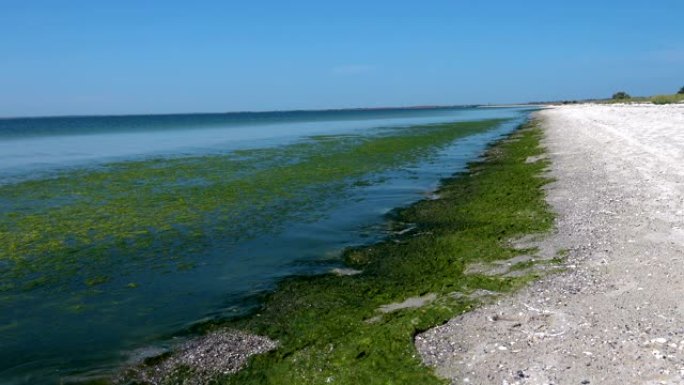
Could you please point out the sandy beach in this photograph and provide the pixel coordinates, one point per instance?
(613, 316)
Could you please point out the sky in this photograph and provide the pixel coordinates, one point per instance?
(135, 57)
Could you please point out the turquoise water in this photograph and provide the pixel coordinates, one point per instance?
(37, 145)
(62, 332)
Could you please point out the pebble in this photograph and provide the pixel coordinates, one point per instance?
(219, 352)
(613, 315)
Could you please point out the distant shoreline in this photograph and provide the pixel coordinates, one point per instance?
(512, 105)
(353, 109)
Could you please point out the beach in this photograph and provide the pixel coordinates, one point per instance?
(612, 316)
(556, 246)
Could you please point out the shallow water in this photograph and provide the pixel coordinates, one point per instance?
(61, 328)
(30, 147)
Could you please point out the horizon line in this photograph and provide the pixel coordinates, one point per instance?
(410, 107)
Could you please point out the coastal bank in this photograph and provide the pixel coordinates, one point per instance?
(614, 315)
(448, 254)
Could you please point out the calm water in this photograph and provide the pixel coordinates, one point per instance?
(30, 147)
(40, 342)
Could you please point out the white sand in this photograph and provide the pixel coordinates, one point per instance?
(617, 315)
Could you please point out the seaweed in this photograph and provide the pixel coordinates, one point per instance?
(88, 228)
(331, 328)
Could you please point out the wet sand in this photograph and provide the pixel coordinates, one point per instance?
(614, 316)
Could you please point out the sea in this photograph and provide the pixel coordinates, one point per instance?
(59, 325)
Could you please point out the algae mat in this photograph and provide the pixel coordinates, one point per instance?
(126, 254)
(334, 329)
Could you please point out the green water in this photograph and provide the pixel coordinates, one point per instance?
(97, 262)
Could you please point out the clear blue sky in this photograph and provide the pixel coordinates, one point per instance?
(100, 57)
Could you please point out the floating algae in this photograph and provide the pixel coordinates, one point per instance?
(331, 329)
(135, 242)
(147, 211)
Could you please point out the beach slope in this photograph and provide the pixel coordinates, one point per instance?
(614, 316)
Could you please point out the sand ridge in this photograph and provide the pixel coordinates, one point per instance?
(614, 316)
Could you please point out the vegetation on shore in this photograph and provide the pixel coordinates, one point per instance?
(330, 329)
(623, 97)
(656, 99)
(667, 99)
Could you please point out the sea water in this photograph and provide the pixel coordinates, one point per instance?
(113, 326)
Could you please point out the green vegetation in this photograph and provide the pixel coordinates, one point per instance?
(87, 229)
(329, 327)
(668, 99)
(631, 100)
(621, 95)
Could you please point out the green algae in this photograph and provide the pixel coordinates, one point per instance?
(91, 228)
(330, 329)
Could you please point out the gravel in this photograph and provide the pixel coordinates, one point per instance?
(614, 315)
(203, 359)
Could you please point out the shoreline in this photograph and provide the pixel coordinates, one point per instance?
(345, 328)
(612, 316)
(201, 238)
